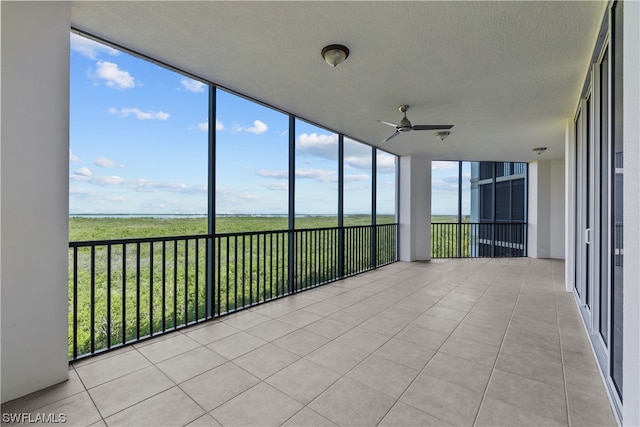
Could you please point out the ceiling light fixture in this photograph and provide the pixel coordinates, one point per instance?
(442, 135)
(335, 54)
(539, 150)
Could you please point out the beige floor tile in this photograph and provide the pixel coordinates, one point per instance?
(471, 350)
(436, 323)
(301, 318)
(587, 411)
(495, 413)
(273, 309)
(245, 319)
(403, 415)
(308, 417)
(190, 364)
(486, 321)
(101, 356)
(218, 385)
(112, 368)
(213, 332)
(478, 333)
(204, 421)
(443, 399)
(585, 382)
(443, 311)
(350, 317)
(46, 396)
(169, 408)
(328, 328)
(531, 366)
(77, 410)
(533, 396)
(271, 330)
(261, 405)
(303, 380)
(266, 360)
(322, 309)
(471, 375)
(123, 392)
(338, 357)
(363, 339)
(405, 353)
(383, 375)
(349, 403)
(236, 345)
(166, 349)
(301, 342)
(389, 322)
(423, 337)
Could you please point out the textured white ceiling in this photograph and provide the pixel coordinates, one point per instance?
(507, 74)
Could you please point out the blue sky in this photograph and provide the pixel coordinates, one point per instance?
(138, 144)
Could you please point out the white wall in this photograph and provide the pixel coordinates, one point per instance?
(546, 209)
(631, 196)
(34, 195)
(557, 207)
(538, 210)
(415, 208)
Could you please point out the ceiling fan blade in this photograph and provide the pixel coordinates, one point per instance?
(431, 127)
(389, 123)
(396, 133)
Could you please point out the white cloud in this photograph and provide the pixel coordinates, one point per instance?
(141, 185)
(83, 193)
(385, 163)
(233, 198)
(103, 162)
(98, 180)
(192, 85)
(318, 145)
(83, 171)
(362, 162)
(140, 115)
(438, 165)
(258, 128)
(356, 178)
(322, 175)
(279, 174)
(276, 186)
(204, 126)
(73, 157)
(89, 48)
(114, 76)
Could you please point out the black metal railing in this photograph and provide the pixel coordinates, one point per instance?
(123, 291)
(476, 240)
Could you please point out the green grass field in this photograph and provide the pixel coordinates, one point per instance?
(154, 286)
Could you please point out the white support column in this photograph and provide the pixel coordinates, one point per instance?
(34, 182)
(415, 208)
(631, 197)
(539, 208)
(557, 210)
(570, 203)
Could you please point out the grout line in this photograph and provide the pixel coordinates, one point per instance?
(484, 394)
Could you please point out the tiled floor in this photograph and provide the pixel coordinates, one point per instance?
(481, 342)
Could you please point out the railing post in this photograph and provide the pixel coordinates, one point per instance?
(292, 204)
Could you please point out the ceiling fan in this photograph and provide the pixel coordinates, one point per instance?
(406, 126)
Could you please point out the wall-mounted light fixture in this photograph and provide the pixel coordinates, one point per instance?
(335, 54)
(539, 150)
(442, 135)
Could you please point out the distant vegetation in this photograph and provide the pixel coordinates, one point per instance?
(162, 284)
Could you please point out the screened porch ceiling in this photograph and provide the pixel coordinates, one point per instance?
(506, 74)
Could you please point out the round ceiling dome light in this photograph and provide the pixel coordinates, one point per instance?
(335, 54)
